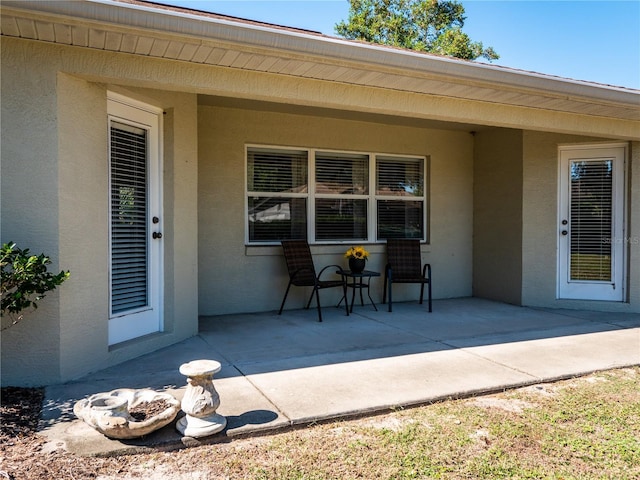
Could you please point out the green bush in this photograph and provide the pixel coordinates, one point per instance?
(25, 280)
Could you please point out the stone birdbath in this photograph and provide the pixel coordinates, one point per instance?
(111, 413)
(200, 400)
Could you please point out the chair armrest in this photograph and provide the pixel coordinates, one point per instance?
(338, 267)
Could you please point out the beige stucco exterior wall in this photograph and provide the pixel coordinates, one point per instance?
(237, 278)
(539, 234)
(55, 199)
(497, 215)
(29, 204)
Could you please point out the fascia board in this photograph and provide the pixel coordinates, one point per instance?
(326, 48)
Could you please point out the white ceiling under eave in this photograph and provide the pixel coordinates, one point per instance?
(139, 29)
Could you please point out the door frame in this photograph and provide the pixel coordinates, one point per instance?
(150, 319)
(614, 291)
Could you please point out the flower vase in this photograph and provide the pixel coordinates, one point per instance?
(356, 265)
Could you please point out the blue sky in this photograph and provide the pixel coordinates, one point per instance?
(597, 40)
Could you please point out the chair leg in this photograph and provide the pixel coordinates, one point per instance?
(421, 292)
(390, 299)
(344, 295)
(284, 299)
(318, 304)
(384, 289)
(430, 296)
(310, 298)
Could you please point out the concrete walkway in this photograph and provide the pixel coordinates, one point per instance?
(279, 371)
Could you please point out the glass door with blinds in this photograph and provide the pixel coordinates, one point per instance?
(591, 223)
(135, 287)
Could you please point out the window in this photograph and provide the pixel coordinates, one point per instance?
(277, 198)
(400, 197)
(129, 192)
(334, 197)
(341, 195)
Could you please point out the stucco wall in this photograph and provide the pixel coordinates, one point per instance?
(497, 215)
(236, 278)
(55, 199)
(84, 233)
(540, 212)
(29, 204)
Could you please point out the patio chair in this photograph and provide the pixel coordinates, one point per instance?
(404, 265)
(302, 273)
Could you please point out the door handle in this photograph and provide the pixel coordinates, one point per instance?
(157, 235)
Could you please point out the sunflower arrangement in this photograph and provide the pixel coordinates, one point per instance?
(357, 252)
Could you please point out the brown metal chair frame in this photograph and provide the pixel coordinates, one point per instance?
(404, 262)
(302, 273)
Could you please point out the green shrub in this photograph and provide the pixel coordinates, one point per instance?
(25, 280)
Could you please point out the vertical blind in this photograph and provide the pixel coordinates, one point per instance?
(591, 220)
(129, 256)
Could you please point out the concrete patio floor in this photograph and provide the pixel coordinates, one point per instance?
(280, 371)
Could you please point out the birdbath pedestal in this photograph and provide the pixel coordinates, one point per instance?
(200, 400)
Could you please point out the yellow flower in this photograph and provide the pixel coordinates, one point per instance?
(357, 252)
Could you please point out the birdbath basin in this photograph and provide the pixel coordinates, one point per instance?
(111, 412)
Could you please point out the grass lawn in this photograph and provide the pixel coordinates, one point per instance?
(587, 427)
(583, 428)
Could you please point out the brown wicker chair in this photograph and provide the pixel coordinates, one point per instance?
(303, 274)
(405, 266)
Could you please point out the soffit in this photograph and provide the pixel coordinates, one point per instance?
(149, 30)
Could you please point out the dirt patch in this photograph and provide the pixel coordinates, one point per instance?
(507, 404)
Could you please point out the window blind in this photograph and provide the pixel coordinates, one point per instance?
(342, 174)
(331, 196)
(128, 156)
(591, 219)
(339, 178)
(276, 171)
(277, 184)
(399, 177)
(400, 204)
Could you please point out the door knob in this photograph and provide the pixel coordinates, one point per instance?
(157, 235)
(564, 232)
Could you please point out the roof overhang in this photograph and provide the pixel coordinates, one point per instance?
(152, 30)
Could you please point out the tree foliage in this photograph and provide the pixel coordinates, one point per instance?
(425, 25)
(25, 280)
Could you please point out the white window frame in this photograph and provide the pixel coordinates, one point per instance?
(371, 197)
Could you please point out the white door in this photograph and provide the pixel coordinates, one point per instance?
(135, 245)
(591, 225)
